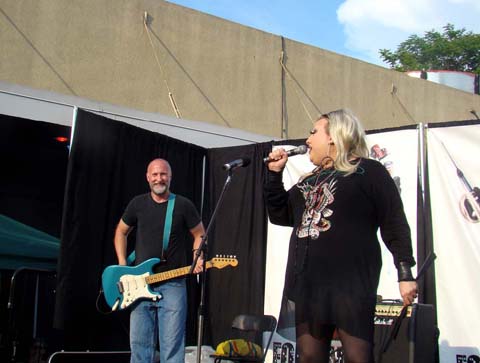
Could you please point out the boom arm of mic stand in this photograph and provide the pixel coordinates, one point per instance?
(198, 253)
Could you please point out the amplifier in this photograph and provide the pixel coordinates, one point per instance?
(386, 310)
(416, 338)
(386, 314)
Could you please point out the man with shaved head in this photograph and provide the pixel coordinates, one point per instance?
(149, 213)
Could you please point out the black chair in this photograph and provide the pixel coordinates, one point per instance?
(248, 325)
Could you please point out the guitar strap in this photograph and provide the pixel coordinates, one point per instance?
(166, 229)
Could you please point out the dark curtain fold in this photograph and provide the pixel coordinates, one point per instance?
(107, 167)
(240, 229)
(34, 165)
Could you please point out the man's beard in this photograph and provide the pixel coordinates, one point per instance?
(160, 189)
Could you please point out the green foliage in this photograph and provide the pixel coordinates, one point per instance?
(454, 49)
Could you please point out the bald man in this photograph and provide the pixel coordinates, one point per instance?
(165, 318)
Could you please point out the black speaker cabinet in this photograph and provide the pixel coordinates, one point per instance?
(90, 357)
(416, 338)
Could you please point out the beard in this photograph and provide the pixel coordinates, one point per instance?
(159, 189)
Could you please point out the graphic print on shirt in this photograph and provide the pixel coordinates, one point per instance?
(317, 197)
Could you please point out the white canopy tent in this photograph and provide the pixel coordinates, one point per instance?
(60, 109)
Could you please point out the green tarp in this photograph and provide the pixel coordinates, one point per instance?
(25, 246)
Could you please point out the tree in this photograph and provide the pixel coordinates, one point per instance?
(454, 49)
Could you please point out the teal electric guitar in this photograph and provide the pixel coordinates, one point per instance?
(123, 285)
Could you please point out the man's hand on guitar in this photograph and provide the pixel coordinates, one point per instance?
(199, 266)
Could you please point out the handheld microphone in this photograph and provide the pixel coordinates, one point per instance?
(232, 165)
(302, 149)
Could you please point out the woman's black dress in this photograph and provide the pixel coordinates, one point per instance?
(334, 258)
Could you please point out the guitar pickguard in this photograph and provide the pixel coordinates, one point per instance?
(135, 287)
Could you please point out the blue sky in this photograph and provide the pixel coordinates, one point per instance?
(356, 28)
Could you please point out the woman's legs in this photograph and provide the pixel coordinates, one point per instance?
(355, 350)
(314, 349)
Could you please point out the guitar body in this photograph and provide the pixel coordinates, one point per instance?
(122, 285)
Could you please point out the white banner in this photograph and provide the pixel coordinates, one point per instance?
(453, 152)
(398, 151)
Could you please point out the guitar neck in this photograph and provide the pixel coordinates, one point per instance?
(168, 275)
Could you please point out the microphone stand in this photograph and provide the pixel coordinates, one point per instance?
(204, 248)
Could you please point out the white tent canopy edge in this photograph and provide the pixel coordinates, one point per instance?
(41, 105)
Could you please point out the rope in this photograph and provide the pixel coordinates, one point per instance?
(291, 78)
(395, 96)
(284, 97)
(170, 94)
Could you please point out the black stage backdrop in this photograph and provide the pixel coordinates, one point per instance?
(106, 169)
(240, 229)
(34, 165)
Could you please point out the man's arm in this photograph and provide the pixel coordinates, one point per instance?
(120, 242)
(197, 232)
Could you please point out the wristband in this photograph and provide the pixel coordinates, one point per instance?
(404, 271)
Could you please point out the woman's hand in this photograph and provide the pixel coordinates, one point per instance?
(279, 158)
(408, 291)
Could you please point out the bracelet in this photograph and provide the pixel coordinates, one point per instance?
(404, 272)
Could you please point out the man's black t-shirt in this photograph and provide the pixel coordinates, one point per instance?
(148, 217)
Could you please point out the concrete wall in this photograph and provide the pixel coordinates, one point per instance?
(218, 71)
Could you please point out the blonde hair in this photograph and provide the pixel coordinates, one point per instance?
(348, 136)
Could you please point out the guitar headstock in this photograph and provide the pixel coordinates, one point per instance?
(223, 261)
